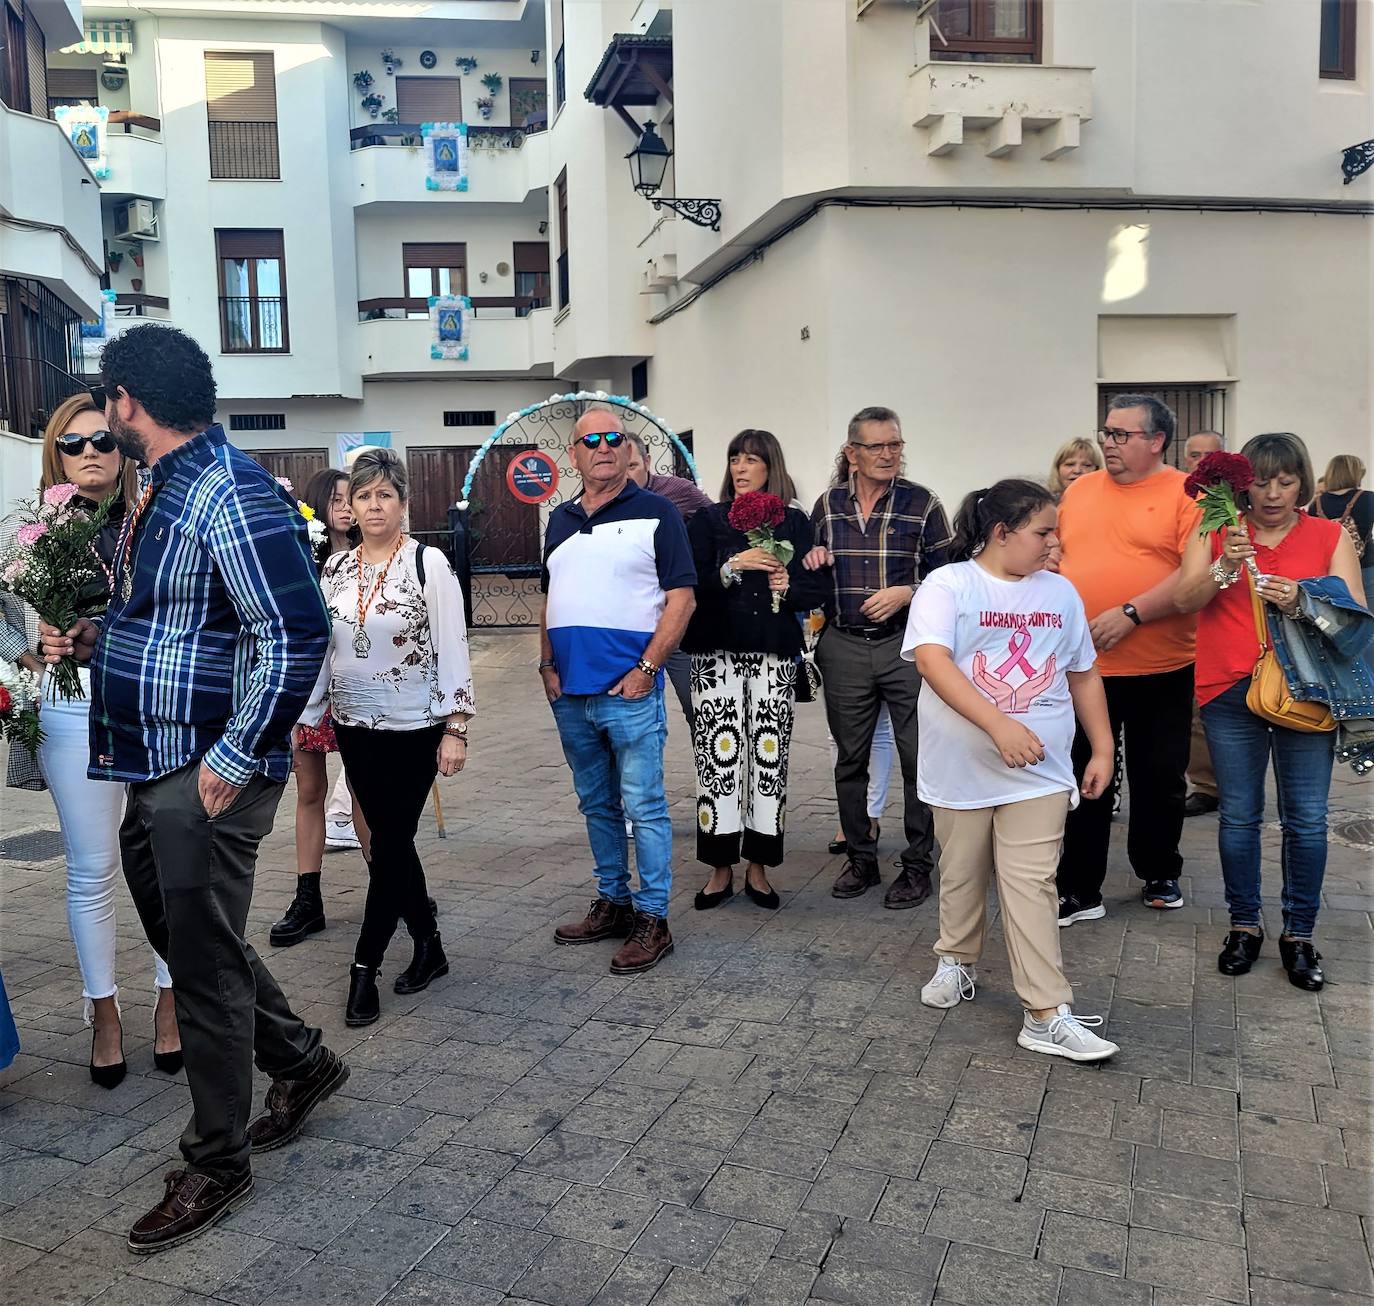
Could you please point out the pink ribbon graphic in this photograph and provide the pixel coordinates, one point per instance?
(1017, 646)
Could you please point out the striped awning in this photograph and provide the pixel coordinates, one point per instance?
(105, 36)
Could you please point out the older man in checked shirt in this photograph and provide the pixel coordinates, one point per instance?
(200, 668)
(881, 536)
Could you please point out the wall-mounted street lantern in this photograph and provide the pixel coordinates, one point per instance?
(648, 163)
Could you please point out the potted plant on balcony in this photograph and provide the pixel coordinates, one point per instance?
(363, 81)
(486, 106)
(392, 62)
(373, 102)
(466, 63)
(114, 258)
(493, 82)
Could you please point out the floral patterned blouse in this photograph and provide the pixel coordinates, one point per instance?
(411, 670)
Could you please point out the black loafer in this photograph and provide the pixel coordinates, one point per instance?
(1239, 952)
(770, 900)
(1300, 959)
(1200, 804)
(705, 901)
(837, 846)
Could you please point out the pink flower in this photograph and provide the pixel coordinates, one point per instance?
(55, 496)
(14, 572)
(286, 485)
(31, 532)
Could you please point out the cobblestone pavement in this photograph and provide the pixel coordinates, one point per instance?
(771, 1116)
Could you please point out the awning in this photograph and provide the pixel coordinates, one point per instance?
(105, 36)
(634, 70)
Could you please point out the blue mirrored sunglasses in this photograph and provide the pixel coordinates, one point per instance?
(593, 439)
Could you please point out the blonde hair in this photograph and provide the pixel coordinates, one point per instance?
(1343, 472)
(1065, 451)
(53, 473)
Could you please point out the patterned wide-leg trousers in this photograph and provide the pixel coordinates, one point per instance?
(743, 704)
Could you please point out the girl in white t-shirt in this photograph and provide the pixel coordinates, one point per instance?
(1006, 660)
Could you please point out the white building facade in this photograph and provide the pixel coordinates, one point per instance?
(985, 214)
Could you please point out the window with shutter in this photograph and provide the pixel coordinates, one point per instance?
(71, 86)
(438, 268)
(429, 99)
(38, 64)
(14, 63)
(241, 108)
(252, 292)
(531, 261)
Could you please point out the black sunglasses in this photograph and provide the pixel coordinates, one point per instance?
(73, 443)
(592, 440)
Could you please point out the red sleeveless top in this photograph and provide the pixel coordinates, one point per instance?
(1227, 645)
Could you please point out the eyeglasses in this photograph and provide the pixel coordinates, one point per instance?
(881, 446)
(593, 439)
(1110, 435)
(73, 442)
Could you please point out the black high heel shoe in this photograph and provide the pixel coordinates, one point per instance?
(108, 1076)
(841, 845)
(170, 1063)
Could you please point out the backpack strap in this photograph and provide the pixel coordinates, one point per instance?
(420, 564)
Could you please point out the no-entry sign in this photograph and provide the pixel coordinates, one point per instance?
(532, 477)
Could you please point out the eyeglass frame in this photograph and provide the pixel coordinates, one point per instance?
(1117, 438)
(82, 441)
(880, 446)
(592, 439)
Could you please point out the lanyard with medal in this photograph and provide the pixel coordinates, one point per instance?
(362, 641)
(126, 579)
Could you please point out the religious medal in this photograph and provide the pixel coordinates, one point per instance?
(362, 642)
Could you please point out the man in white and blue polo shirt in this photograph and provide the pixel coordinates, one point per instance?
(618, 579)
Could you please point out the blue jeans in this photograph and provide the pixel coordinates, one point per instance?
(1241, 745)
(614, 746)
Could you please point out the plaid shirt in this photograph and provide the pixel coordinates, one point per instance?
(216, 651)
(904, 539)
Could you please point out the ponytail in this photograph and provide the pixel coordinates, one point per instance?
(1009, 503)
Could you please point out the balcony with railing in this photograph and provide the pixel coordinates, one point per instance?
(505, 165)
(253, 325)
(136, 155)
(30, 388)
(245, 151)
(509, 335)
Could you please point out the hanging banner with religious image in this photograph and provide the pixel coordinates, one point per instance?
(87, 127)
(450, 316)
(446, 155)
(348, 443)
(95, 334)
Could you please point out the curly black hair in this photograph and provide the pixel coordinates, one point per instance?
(166, 371)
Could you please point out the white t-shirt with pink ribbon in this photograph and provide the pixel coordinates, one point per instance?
(1016, 641)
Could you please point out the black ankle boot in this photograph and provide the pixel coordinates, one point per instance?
(1239, 952)
(1301, 961)
(427, 964)
(364, 1002)
(304, 916)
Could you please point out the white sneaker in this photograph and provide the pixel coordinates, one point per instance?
(340, 834)
(950, 985)
(629, 828)
(1065, 1035)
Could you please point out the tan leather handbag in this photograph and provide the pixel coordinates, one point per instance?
(1269, 696)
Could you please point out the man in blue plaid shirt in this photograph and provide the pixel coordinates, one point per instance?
(200, 668)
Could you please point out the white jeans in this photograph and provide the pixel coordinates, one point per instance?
(340, 809)
(880, 758)
(89, 813)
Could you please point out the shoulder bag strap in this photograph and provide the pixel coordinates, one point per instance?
(1257, 605)
(1350, 507)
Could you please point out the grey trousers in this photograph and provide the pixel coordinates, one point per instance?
(191, 879)
(860, 675)
(679, 670)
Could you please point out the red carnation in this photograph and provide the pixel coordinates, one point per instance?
(1232, 468)
(755, 510)
(6, 701)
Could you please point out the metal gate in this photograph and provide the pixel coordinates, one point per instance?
(1197, 407)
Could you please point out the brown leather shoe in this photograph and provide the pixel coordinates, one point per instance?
(193, 1202)
(604, 920)
(290, 1102)
(648, 944)
(911, 887)
(856, 878)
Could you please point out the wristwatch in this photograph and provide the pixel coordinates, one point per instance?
(646, 667)
(458, 729)
(1129, 610)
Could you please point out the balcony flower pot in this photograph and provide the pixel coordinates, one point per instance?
(137, 283)
(373, 103)
(466, 63)
(486, 106)
(363, 81)
(493, 82)
(391, 61)
(137, 258)
(114, 259)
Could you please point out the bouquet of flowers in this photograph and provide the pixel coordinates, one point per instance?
(755, 514)
(314, 527)
(1215, 483)
(18, 713)
(55, 569)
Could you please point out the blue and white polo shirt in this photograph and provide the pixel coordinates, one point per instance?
(605, 577)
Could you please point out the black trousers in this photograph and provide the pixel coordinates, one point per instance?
(391, 773)
(860, 675)
(1152, 716)
(191, 879)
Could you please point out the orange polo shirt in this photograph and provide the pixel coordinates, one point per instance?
(1119, 541)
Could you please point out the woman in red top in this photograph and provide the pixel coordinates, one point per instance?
(1287, 546)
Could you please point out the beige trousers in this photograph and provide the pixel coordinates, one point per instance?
(1020, 842)
(1200, 774)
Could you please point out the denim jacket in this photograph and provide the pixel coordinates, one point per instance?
(1324, 652)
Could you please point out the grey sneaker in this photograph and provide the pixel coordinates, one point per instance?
(950, 985)
(1065, 1035)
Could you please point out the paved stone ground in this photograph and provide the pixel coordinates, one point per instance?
(771, 1116)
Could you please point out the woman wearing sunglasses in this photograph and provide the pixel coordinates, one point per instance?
(78, 449)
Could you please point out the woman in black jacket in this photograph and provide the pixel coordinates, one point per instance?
(744, 673)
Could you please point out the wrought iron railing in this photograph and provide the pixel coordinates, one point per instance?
(252, 325)
(246, 150)
(408, 133)
(30, 388)
(395, 307)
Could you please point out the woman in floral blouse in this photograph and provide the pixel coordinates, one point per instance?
(400, 695)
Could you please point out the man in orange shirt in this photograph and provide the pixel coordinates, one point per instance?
(1124, 530)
